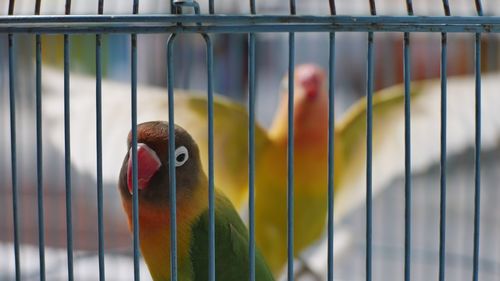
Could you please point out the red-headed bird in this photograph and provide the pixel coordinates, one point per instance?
(231, 235)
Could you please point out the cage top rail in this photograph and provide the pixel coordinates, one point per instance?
(244, 24)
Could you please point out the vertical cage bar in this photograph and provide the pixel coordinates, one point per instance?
(39, 148)
(290, 158)
(171, 157)
(442, 223)
(67, 151)
(331, 156)
(13, 147)
(369, 132)
(251, 151)
(211, 6)
(135, 195)
(14, 156)
(331, 147)
(98, 92)
(211, 192)
(477, 151)
(408, 187)
(39, 157)
(369, 135)
(251, 146)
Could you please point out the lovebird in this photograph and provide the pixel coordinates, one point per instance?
(310, 170)
(231, 244)
(310, 151)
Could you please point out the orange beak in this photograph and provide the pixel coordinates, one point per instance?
(148, 164)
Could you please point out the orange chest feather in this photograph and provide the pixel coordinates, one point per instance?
(154, 234)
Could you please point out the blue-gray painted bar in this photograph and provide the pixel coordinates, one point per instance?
(290, 164)
(442, 207)
(477, 151)
(39, 148)
(39, 156)
(249, 19)
(13, 153)
(211, 192)
(98, 93)
(171, 157)
(442, 223)
(251, 146)
(247, 28)
(67, 150)
(100, 223)
(331, 150)
(251, 151)
(477, 158)
(290, 200)
(408, 188)
(13, 147)
(98, 96)
(290, 152)
(67, 159)
(135, 195)
(369, 139)
(135, 189)
(369, 134)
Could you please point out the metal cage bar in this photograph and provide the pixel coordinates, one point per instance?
(245, 24)
(13, 147)
(135, 183)
(442, 222)
(211, 191)
(67, 150)
(39, 148)
(171, 157)
(290, 147)
(477, 149)
(331, 147)
(369, 153)
(99, 184)
(408, 187)
(251, 146)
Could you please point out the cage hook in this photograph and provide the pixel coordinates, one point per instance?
(179, 4)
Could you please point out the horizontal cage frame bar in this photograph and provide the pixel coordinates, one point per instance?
(244, 24)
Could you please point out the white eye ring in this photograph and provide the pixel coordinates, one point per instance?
(181, 156)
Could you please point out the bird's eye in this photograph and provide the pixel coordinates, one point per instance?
(181, 156)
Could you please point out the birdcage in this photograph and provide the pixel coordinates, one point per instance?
(422, 178)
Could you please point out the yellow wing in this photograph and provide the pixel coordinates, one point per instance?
(388, 133)
(230, 126)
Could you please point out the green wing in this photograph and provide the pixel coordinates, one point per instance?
(231, 246)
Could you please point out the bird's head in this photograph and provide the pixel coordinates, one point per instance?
(153, 162)
(310, 102)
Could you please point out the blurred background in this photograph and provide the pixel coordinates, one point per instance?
(230, 69)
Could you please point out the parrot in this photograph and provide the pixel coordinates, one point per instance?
(310, 170)
(231, 244)
(310, 151)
